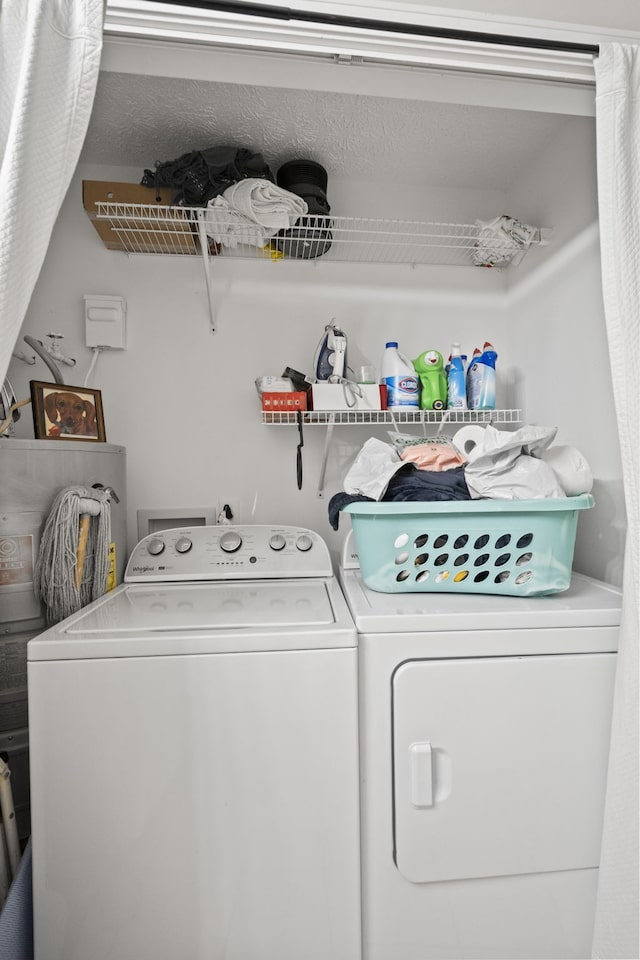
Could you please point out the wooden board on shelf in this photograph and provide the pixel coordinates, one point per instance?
(135, 234)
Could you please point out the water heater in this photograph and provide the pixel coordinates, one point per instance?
(32, 473)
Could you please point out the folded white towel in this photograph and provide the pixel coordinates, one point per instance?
(264, 202)
(252, 211)
(226, 226)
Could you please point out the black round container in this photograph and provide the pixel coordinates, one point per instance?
(311, 236)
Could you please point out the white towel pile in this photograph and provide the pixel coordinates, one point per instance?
(252, 211)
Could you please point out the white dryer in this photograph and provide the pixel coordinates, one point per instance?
(484, 730)
(194, 758)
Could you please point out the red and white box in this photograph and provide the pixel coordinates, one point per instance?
(284, 402)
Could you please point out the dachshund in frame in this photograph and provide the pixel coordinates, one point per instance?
(70, 414)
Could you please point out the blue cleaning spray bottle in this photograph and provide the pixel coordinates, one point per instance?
(456, 380)
(481, 378)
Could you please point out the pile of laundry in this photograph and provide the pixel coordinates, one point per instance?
(236, 186)
(518, 465)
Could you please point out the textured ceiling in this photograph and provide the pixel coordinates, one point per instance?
(139, 120)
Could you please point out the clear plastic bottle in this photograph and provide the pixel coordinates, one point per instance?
(456, 380)
(400, 378)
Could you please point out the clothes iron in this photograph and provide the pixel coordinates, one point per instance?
(332, 354)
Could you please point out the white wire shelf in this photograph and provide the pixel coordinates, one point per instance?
(149, 228)
(359, 417)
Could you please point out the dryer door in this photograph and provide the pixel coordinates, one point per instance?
(500, 764)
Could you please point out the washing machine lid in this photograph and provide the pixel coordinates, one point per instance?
(587, 603)
(160, 619)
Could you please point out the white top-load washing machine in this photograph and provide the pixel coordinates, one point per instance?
(484, 741)
(194, 757)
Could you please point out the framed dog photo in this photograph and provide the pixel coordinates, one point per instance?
(61, 412)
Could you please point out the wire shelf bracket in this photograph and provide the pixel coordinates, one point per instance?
(204, 249)
(354, 418)
(325, 456)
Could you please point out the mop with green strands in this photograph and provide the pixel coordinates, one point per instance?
(73, 561)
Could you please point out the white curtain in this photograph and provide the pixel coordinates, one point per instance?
(49, 61)
(618, 137)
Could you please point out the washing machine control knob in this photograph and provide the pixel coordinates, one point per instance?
(155, 546)
(183, 545)
(304, 542)
(230, 542)
(277, 542)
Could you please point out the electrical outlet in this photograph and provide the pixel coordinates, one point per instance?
(234, 505)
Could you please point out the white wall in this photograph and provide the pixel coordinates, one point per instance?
(558, 337)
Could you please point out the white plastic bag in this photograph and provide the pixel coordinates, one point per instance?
(373, 468)
(570, 467)
(502, 466)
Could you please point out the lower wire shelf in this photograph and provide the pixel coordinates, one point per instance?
(359, 417)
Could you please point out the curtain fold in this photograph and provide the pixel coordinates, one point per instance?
(49, 61)
(618, 158)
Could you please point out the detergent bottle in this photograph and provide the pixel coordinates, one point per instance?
(481, 378)
(400, 378)
(433, 380)
(456, 385)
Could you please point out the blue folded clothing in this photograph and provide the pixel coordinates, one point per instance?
(339, 501)
(410, 483)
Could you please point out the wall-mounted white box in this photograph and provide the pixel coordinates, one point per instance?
(105, 321)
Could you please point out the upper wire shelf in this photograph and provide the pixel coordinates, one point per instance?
(356, 417)
(148, 228)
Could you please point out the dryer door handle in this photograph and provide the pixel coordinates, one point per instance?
(421, 774)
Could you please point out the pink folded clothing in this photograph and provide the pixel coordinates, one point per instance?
(432, 456)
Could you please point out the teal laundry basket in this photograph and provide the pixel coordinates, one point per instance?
(513, 547)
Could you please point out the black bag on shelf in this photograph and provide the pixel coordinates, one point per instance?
(203, 174)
